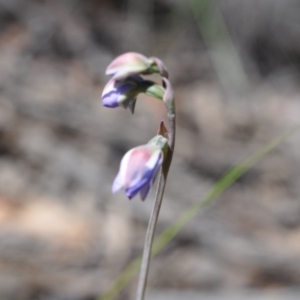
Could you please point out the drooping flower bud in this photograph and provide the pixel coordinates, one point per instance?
(139, 167)
(131, 63)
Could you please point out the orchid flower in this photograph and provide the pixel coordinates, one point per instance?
(124, 93)
(139, 167)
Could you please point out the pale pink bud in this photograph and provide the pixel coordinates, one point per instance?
(130, 63)
(138, 169)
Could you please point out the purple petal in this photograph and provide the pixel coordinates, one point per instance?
(145, 180)
(116, 92)
(133, 190)
(110, 99)
(145, 190)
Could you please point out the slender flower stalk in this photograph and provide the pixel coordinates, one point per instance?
(140, 165)
(170, 105)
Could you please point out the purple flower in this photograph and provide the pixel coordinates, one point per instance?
(138, 169)
(122, 93)
(128, 64)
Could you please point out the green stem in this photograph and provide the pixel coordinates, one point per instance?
(142, 283)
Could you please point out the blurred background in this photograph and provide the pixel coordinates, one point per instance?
(235, 66)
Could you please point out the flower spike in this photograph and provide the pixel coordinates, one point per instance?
(140, 165)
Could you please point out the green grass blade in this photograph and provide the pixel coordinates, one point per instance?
(167, 235)
(221, 48)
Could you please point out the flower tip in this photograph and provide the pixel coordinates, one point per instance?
(117, 184)
(109, 101)
(145, 191)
